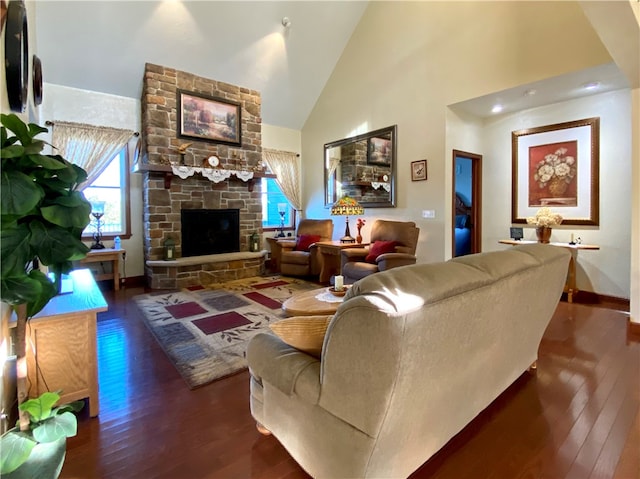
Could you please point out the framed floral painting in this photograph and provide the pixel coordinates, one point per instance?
(557, 166)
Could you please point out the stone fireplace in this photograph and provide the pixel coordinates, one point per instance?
(166, 197)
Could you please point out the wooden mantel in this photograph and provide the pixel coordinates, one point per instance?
(167, 172)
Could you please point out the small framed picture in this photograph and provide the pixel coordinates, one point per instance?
(516, 233)
(419, 170)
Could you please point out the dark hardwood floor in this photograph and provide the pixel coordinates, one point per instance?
(578, 416)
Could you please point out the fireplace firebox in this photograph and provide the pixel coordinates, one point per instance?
(210, 231)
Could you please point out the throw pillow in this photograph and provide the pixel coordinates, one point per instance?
(304, 242)
(305, 333)
(378, 248)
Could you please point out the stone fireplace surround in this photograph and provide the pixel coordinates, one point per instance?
(164, 195)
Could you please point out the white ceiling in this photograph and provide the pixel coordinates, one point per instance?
(103, 46)
(602, 78)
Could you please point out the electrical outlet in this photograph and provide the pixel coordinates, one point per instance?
(428, 213)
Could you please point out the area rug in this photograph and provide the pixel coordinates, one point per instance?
(205, 330)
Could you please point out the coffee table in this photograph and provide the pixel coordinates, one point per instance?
(306, 304)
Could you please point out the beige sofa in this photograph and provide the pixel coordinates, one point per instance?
(409, 359)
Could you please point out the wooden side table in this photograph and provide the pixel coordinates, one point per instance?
(570, 286)
(276, 250)
(107, 254)
(61, 351)
(330, 252)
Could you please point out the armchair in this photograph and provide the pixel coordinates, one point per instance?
(400, 238)
(300, 256)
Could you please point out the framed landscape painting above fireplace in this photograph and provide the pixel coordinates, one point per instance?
(204, 117)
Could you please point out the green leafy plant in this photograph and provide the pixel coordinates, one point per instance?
(46, 424)
(42, 216)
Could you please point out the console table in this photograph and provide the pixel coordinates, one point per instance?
(61, 343)
(330, 252)
(111, 255)
(570, 285)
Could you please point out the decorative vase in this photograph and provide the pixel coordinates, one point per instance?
(543, 233)
(557, 187)
(359, 237)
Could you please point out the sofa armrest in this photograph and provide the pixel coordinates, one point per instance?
(393, 260)
(353, 254)
(287, 245)
(291, 371)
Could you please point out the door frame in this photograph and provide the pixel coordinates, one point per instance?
(476, 200)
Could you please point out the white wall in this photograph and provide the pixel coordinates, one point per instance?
(605, 271)
(406, 61)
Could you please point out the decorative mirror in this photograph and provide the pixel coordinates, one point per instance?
(362, 167)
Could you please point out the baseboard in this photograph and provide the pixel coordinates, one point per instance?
(602, 300)
(633, 331)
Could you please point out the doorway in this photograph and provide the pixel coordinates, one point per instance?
(467, 208)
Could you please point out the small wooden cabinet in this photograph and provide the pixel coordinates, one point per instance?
(61, 343)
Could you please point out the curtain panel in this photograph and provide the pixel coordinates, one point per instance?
(88, 146)
(286, 166)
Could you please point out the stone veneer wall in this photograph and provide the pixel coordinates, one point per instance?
(161, 206)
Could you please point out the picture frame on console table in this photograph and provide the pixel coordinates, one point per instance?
(557, 166)
(209, 118)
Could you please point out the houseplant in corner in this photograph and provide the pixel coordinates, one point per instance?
(42, 216)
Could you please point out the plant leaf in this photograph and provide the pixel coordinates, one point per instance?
(19, 194)
(40, 408)
(17, 126)
(12, 151)
(15, 448)
(48, 291)
(49, 162)
(55, 244)
(19, 289)
(56, 427)
(15, 250)
(72, 211)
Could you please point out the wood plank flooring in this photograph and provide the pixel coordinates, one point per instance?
(577, 417)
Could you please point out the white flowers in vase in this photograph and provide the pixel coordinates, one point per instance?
(544, 218)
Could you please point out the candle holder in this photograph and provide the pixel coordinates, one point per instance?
(97, 211)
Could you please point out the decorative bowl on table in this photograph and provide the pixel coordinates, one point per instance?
(334, 292)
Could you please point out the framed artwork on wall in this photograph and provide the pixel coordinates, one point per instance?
(557, 166)
(419, 170)
(208, 118)
(379, 151)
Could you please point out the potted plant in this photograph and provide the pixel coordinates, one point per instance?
(42, 216)
(45, 439)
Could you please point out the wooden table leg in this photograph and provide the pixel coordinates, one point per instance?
(570, 286)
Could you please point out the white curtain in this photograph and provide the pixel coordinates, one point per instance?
(88, 146)
(286, 166)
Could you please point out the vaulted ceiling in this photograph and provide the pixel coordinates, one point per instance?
(103, 45)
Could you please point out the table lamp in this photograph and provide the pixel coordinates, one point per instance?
(346, 206)
(97, 211)
(282, 210)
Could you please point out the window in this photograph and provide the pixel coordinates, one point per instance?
(274, 200)
(112, 187)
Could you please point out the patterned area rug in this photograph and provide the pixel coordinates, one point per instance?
(205, 330)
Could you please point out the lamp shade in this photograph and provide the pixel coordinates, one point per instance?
(346, 206)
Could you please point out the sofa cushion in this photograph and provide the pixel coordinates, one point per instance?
(305, 333)
(378, 248)
(304, 242)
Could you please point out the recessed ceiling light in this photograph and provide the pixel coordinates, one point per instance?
(530, 92)
(592, 85)
(496, 109)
